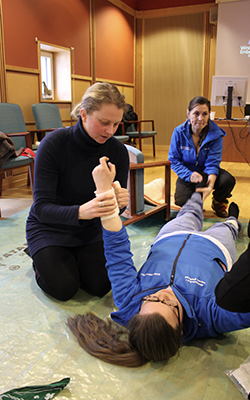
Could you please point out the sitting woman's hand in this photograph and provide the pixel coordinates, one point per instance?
(196, 177)
(105, 204)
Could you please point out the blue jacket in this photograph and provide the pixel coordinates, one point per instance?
(194, 279)
(182, 152)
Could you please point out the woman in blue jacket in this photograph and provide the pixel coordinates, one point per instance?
(171, 299)
(195, 154)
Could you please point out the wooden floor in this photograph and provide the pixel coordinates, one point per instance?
(16, 198)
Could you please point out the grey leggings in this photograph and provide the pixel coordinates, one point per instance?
(190, 218)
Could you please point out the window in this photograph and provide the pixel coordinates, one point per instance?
(55, 62)
(47, 75)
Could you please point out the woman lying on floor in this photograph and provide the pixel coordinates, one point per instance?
(171, 299)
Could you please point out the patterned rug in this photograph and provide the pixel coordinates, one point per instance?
(37, 347)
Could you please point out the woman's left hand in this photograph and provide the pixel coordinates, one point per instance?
(122, 196)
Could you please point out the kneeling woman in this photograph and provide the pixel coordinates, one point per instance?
(195, 153)
(63, 229)
(171, 299)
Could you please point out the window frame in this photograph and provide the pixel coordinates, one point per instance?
(50, 85)
(61, 90)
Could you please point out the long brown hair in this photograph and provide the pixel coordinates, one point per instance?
(150, 337)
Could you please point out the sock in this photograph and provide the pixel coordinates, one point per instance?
(233, 210)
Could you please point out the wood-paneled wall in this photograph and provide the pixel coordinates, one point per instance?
(173, 69)
(99, 34)
(152, 56)
(176, 65)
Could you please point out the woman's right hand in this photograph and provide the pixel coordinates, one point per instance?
(196, 177)
(105, 204)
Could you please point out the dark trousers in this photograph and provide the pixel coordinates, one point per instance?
(232, 292)
(223, 187)
(60, 271)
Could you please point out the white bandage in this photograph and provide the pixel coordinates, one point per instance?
(111, 191)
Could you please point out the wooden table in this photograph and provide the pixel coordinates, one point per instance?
(236, 144)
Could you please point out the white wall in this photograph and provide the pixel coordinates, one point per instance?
(233, 40)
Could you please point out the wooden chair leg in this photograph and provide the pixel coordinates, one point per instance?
(140, 147)
(153, 139)
(1, 182)
(31, 175)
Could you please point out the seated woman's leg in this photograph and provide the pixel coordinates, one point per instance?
(189, 218)
(183, 191)
(93, 274)
(223, 187)
(57, 272)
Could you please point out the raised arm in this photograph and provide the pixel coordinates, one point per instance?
(121, 270)
(103, 176)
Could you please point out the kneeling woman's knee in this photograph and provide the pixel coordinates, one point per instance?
(180, 200)
(232, 181)
(227, 179)
(59, 289)
(66, 292)
(98, 289)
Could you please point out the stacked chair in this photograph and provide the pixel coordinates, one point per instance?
(47, 118)
(13, 125)
(134, 131)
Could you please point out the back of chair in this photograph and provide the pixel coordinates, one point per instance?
(137, 157)
(19, 141)
(47, 116)
(131, 128)
(11, 118)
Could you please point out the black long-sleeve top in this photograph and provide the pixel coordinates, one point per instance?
(63, 181)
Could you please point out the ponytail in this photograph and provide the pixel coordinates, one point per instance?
(104, 340)
(150, 338)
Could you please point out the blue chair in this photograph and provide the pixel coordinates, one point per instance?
(13, 125)
(19, 140)
(134, 131)
(47, 118)
(137, 209)
(123, 138)
(11, 118)
(12, 121)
